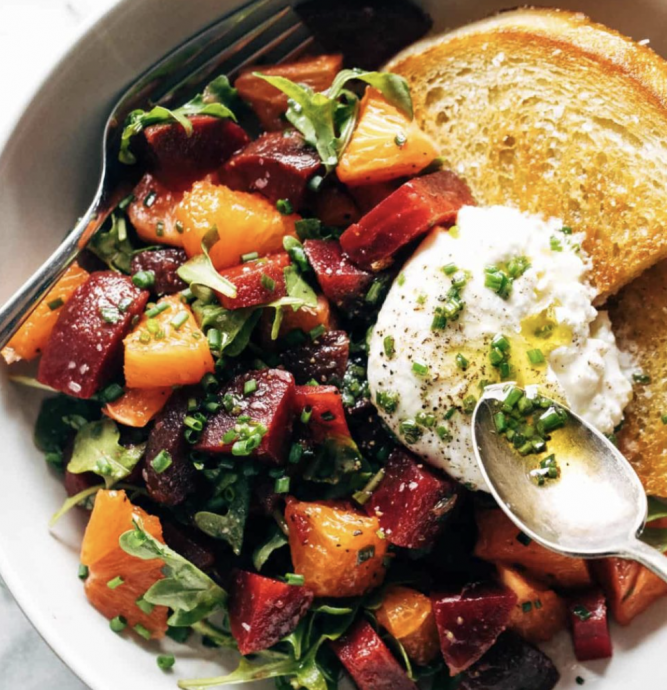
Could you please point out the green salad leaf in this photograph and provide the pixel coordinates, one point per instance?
(215, 101)
(199, 270)
(276, 540)
(226, 511)
(57, 418)
(113, 245)
(327, 119)
(96, 449)
(299, 295)
(235, 325)
(191, 594)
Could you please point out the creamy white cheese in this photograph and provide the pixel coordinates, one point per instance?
(549, 308)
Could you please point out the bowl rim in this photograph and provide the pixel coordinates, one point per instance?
(12, 577)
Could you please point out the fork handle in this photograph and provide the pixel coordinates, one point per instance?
(22, 303)
(648, 556)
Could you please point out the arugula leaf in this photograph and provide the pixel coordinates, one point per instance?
(219, 637)
(113, 246)
(335, 458)
(299, 294)
(327, 119)
(215, 100)
(82, 497)
(191, 594)
(200, 270)
(235, 325)
(30, 382)
(96, 449)
(262, 553)
(230, 524)
(52, 431)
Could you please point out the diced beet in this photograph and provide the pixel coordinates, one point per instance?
(192, 544)
(173, 485)
(411, 211)
(262, 611)
(469, 621)
(335, 207)
(322, 360)
(251, 279)
(271, 405)
(277, 165)
(76, 483)
(590, 627)
(163, 263)
(85, 349)
(179, 159)
(412, 501)
(341, 281)
(327, 416)
(368, 430)
(368, 32)
(369, 661)
(510, 664)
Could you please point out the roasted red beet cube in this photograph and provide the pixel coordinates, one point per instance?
(191, 543)
(262, 611)
(278, 165)
(412, 501)
(76, 483)
(510, 664)
(85, 349)
(172, 485)
(590, 627)
(163, 263)
(411, 211)
(323, 360)
(179, 158)
(320, 408)
(369, 661)
(267, 398)
(341, 281)
(469, 621)
(257, 282)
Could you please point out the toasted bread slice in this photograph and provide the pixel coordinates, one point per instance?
(639, 319)
(549, 112)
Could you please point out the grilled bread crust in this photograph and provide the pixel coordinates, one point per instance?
(554, 114)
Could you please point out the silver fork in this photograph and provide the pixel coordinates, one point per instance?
(263, 30)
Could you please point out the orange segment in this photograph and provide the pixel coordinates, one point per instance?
(29, 341)
(539, 612)
(246, 223)
(336, 548)
(408, 616)
(111, 517)
(152, 212)
(167, 350)
(137, 406)
(385, 145)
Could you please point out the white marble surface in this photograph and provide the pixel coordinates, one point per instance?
(32, 34)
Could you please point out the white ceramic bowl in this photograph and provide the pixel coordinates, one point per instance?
(48, 170)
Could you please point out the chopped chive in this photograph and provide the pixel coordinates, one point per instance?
(158, 309)
(179, 227)
(419, 368)
(282, 485)
(159, 228)
(268, 283)
(125, 304)
(144, 606)
(250, 256)
(161, 461)
(214, 337)
(193, 423)
(536, 356)
(295, 579)
(118, 624)
(83, 571)
(115, 582)
(110, 314)
(581, 612)
(663, 419)
(56, 303)
(459, 279)
(328, 416)
(229, 436)
(566, 230)
(425, 419)
(537, 603)
(554, 418)
(250, 386)
(410, 430)
(439, 320)
(526, 606)
(468, 404)
(556, 244)
(389, 346)
(641, 377)
(401, 279)
(316, 332)
(295, 453)
(579, 680)
(166, 661)
(461, 362)
(125, 202)
(501, 342)
(387, 400)
(375, 291)
(444, 433)
(179, 320)
(141, 630)
(150, 198)
(306, 415)
(365, 554)
(111, 393)
(400, 139)
(450, 269)
(523, 539)
(284, 207)
(500, 422)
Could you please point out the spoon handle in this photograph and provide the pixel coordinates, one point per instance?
(648, 556)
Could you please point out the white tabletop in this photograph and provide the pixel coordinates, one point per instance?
(32, 34)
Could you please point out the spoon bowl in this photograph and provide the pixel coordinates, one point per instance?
(595, 509)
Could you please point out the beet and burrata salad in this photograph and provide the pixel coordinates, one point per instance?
(214, 417)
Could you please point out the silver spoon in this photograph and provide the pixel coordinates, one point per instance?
(597, 507)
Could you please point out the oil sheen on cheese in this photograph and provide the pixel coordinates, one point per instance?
(548, 309)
